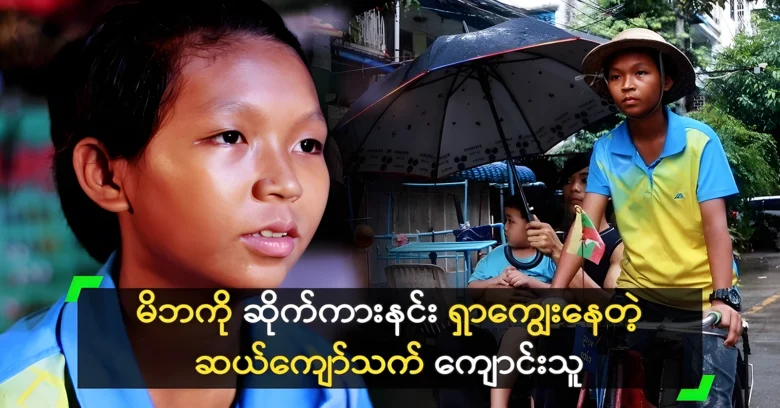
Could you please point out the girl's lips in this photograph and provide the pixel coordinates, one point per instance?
(273, 247)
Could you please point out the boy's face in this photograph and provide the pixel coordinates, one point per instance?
(634, 82)
(237, 158)
(574, 189)
(514, 228)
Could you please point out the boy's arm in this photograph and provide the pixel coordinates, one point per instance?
(715, 183)
(718, 241)
(594, 205)
(482, 279)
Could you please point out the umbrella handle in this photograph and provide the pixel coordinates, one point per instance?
(526, 210)
(483, 80)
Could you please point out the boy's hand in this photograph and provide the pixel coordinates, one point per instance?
(499, 280)
(504, 276)
(518, 279)
(730, 319)
(543, 237)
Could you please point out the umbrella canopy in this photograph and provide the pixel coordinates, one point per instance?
(470, 99)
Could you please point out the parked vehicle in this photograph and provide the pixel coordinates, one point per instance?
(767, 222)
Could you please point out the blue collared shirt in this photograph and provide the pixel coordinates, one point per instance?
(38, 349)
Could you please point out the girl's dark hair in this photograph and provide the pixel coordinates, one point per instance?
(118, 82)
(574, 164)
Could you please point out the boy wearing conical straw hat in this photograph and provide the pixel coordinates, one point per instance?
(668, 177)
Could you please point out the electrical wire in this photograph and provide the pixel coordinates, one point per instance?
(593, 5)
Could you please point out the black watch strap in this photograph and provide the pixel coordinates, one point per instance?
(725, 296)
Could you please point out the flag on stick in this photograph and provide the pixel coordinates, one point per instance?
(585, 238)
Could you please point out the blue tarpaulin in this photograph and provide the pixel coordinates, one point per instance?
(494, 173)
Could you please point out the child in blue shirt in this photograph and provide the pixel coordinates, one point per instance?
(188, 141)
(495, 272)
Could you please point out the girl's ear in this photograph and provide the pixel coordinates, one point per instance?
(99, 175)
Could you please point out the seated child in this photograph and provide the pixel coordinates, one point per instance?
(494, 272)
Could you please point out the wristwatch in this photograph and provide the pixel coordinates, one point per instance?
(728, 296)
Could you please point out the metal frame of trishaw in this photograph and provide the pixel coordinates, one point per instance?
(743, 387)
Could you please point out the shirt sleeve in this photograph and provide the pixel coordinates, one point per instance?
(715, 177)
(597, 179)
(481, 271)
(550, 269)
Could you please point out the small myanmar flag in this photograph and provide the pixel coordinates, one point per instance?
(585, 238)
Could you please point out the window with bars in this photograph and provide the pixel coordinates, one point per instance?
(740, 10)
(698, 101)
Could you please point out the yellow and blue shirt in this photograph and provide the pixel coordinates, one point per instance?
(657, 206)
(39, 365)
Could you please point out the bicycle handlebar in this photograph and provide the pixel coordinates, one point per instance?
(713, 318)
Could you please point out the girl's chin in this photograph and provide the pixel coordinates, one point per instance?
(255, 276)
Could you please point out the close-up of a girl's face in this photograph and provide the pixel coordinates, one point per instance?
(230, 190)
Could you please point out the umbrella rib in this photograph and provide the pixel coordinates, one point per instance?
(466, 78)
(500, 80)
(534, 58)
(444, 116)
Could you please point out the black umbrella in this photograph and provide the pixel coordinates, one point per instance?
(472, 99)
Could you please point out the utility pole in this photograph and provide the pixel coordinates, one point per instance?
(679, 30)
(397, 42)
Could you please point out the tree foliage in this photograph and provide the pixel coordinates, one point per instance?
(773, 6)
(751, 154)
(659, 16)
(753, 98)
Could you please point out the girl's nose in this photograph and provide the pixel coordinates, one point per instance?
(280, 181)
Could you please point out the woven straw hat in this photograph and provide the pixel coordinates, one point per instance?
(676, 64)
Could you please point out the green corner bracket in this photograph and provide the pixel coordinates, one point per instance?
(698, 394)
(81, 282)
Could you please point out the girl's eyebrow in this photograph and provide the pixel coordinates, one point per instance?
(239, 106)
(225, 105)
(315, 115)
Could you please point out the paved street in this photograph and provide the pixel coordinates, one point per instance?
(761, 297)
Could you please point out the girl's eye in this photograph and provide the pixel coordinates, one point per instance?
(229, 137)
(641, 73)
(614, 77)
(311, 146)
